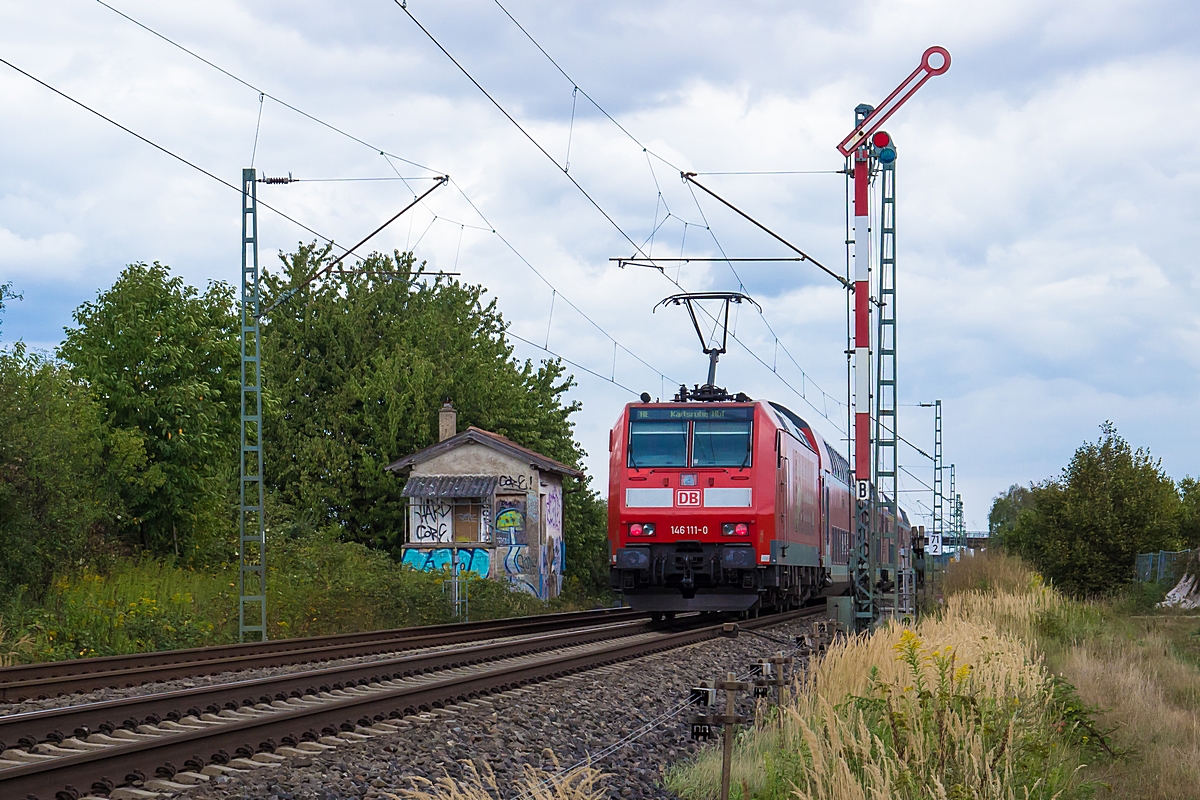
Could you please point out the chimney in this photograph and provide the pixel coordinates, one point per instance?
(447, 422)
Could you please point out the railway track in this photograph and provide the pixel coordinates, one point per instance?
(39, 681)
(163, 742)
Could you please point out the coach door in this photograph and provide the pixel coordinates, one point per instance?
(783, 507)
(827, 524)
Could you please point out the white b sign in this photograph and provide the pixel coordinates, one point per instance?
(864, 490)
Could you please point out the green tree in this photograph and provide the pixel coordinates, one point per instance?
(1084, 529)
(162, 362)
(1006, 508)
(356, 369)
(1189, 519)
(50, 455)
(6, 293)
(585, 536)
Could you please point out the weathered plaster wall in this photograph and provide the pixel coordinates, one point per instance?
(524, 523)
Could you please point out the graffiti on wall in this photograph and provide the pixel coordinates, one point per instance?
(434, 520)
(525, 524)
(470, 559)
(430, 520)
(510, 520)
(554, 550)
(519, 568)
(520, 483)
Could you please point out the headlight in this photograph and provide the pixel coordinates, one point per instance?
(735, 529)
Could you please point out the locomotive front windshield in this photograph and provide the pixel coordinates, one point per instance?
(721, 443)
(658, 443)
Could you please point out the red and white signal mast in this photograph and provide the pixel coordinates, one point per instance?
(864, 148)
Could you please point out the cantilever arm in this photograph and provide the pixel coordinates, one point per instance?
(691, 178)
(290, 293)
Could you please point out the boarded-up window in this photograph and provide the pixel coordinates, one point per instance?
(466, 522)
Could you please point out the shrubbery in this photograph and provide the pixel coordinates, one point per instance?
(118, 458)
(1084, 529)
(318, 585)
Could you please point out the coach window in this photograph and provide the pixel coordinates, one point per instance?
(658, 443)
(721, 443)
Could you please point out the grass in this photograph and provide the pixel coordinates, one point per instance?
(1009, 690)
(534, 784)
(316, 585)
(959, 706)
(1137, 664)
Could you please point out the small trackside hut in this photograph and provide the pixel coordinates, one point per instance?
(479, 502)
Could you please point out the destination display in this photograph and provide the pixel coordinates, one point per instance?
(736, 412)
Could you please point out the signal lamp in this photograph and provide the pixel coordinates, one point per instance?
(887, 155)
(641, 529)
(881, 139)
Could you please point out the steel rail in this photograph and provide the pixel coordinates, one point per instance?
(29, 728)
(80, 675)
(44, 779)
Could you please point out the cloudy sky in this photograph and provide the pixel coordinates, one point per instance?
(1047, 185)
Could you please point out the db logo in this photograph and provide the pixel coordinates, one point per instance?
(687, 497)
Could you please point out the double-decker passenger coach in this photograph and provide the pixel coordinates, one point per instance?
(723, 505)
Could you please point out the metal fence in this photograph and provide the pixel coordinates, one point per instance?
(1157, 566)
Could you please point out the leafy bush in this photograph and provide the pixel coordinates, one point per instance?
(136, 606)
(1084, 529)
(161, 360)
(50, 457)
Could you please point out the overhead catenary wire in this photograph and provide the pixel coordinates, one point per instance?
(777, 172)
(249, 85)
(575, 364)
(175, 156)
(387, 156)
(582, 190)
(802, 255)
(575, 85)
(257, 127)
(516, 124)
(690, 178)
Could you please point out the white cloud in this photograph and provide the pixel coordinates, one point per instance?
(1046, 185)
(52, 255)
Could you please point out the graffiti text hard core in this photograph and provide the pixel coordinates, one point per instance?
(431, 521)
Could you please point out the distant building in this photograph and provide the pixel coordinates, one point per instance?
(486, 503)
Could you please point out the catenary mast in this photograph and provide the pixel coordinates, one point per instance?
(858, 150)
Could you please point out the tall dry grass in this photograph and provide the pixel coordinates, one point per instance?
(1151, 701)
(1123, 665)
(956, 707)
(990, 571)
(534, 784)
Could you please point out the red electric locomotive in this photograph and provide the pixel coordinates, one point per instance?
(724, 505)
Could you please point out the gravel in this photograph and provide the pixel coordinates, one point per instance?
(565, 720)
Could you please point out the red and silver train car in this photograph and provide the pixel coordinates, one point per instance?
(724, 506)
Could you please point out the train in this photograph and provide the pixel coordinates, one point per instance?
(726, 504)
